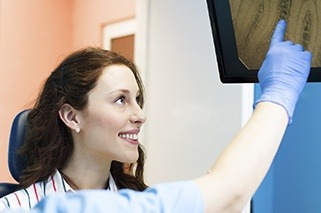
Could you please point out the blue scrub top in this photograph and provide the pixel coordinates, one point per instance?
(173, 197)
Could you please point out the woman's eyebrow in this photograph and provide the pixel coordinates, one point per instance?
(119, 90)
(126, 91)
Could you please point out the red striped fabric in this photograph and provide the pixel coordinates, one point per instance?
(53, 183)
(36, 193)
(17, 198)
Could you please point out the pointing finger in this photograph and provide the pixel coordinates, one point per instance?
(279, 31)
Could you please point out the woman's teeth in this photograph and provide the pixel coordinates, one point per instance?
(129, 136)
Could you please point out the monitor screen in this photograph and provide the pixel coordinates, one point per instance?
(242, 30)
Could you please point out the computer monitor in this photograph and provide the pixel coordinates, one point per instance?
(242, 30)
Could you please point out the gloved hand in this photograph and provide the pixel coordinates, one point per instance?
(284, 71)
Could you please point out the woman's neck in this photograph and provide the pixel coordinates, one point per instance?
(85, 173)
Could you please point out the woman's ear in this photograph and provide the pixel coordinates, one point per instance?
(68, 115)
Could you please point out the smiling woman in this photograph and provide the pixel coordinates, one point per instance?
(83, 130)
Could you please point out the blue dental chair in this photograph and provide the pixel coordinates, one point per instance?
(16, 163)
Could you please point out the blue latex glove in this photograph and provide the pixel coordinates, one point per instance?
(284, 71)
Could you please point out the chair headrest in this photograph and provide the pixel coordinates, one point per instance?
(17, 138)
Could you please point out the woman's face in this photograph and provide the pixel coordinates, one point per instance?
(112, 120)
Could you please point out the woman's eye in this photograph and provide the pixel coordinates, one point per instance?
(138, 99)
(120, 100)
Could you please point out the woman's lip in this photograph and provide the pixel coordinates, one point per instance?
(134, 142)
(133, 131)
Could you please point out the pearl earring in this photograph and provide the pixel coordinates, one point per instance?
(77, 130)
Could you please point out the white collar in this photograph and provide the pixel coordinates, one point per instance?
(112, 185)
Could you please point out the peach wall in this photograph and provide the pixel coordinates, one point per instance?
(90, 16)
(34, 36)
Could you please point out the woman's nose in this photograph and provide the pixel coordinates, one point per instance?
(138, 116)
